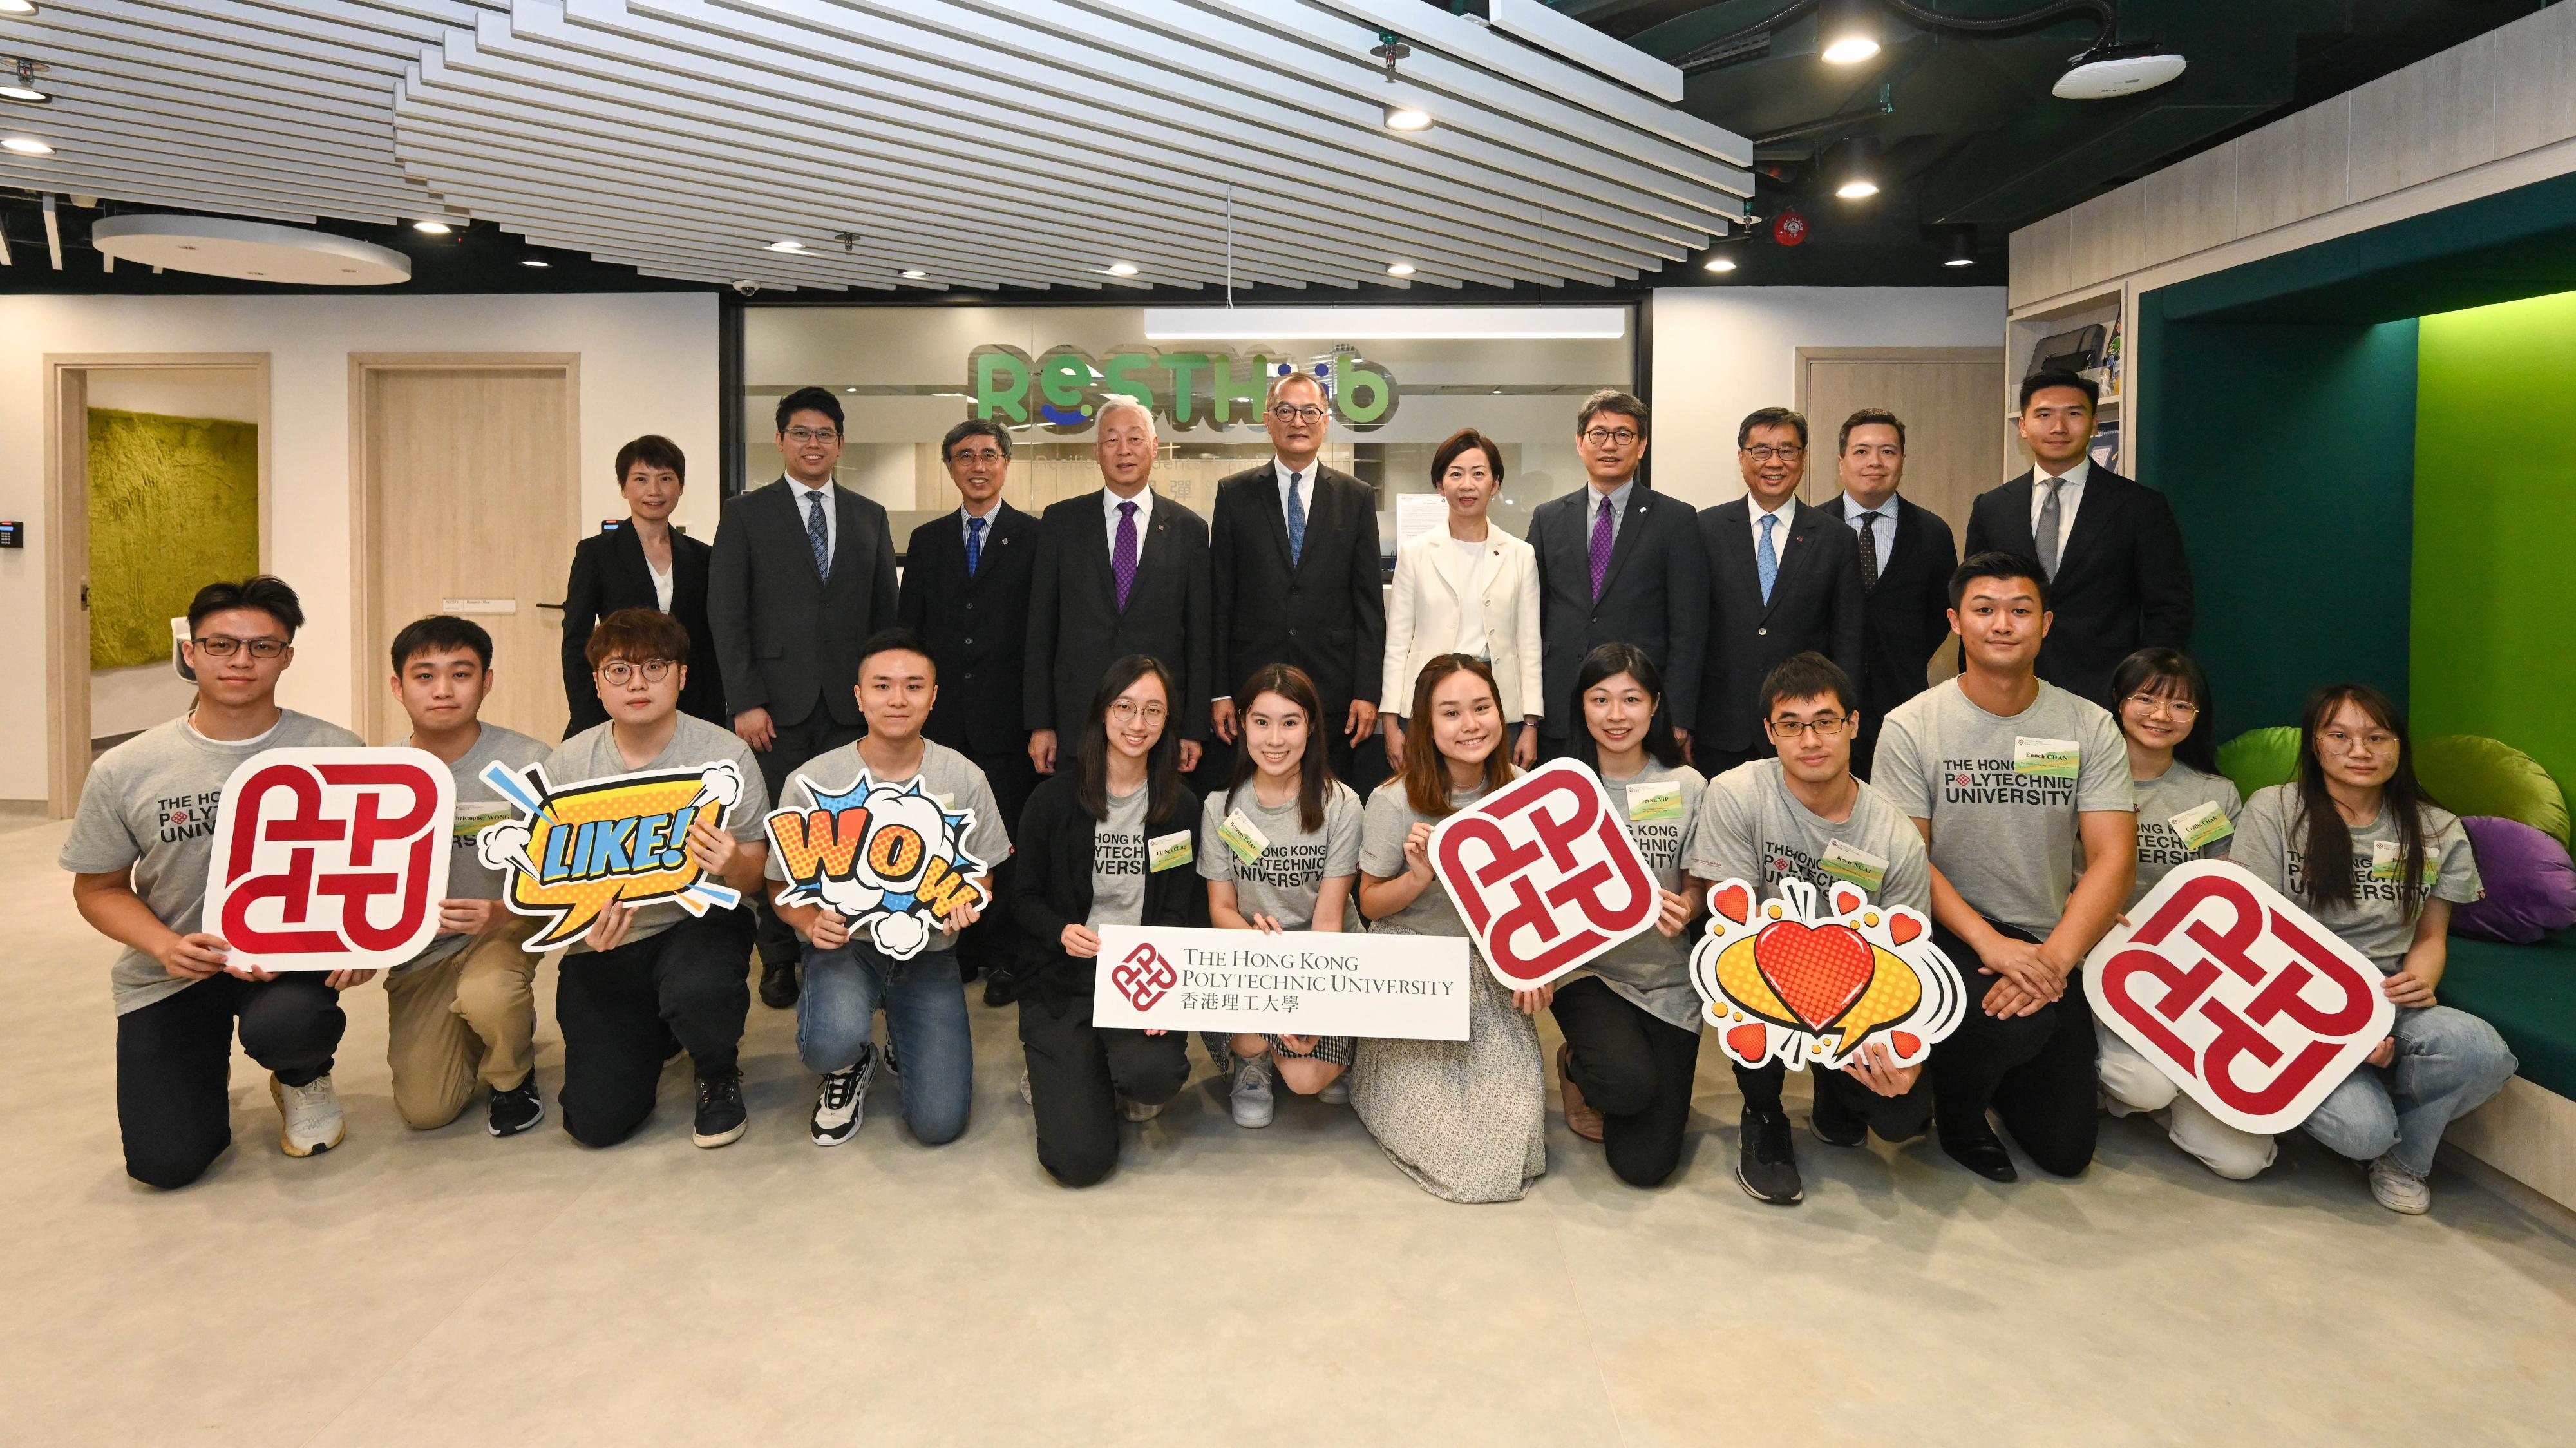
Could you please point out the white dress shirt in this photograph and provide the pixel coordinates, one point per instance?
(1882, 530)
(1787, 513)
(1109, 501)
(2070, 496)
(1474, 560)
(831, 516)
(661, 585)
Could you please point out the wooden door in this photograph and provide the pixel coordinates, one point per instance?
(468, 504)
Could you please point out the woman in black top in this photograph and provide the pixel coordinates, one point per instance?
(1112, 840)
(646, 563)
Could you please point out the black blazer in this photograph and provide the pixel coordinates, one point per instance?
(1076, 629)
(1816, 603)
(977, 628)
(789, 640)
(1051, 881)
(2122, 585)
(609, 573)
(1908, 617)
(1325, 614)
(1654, 595)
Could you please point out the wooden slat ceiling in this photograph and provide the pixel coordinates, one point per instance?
(982, 143)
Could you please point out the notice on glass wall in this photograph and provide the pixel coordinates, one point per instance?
(1417, 514)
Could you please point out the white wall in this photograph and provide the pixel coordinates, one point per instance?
(648, 364)
(1721, 352)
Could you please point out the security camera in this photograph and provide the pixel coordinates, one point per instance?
(747, 287)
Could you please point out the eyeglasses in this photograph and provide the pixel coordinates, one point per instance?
(1763, 453)
(1125, 713)
(1611, 436)
(811, 434)
(220, 646)
(2178, 708)
(2337, 741)
(976, 455)
(1830, 727)
(1287, 413)
(619, 673)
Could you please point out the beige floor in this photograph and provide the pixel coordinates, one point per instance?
(1278, 1286)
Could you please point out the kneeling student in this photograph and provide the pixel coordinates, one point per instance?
(1283, 853)
(1801, 814)
(463, 1010)
(847, 976)
(138, 852)
(644, 975)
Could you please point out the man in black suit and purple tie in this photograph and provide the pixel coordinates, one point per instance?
(1907, 554)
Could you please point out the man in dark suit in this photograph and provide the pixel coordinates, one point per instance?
(1617, 563)
(614, 569)
(1294, 555)
(2118, 580)
(1783, 580)
(1907, 554)
(966, 593)
(1120, 571)
(803, 573)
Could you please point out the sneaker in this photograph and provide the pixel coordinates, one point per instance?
(1026, 1094)
(2391, 1185)
(1338, 1092)
(1252, 1099)
(310, 1116)
(721, 1118)
(516, 1109)
(1139, 1110)
(1580, 1118)
(886, 1052)
(1766, 1167)
(842, 1103)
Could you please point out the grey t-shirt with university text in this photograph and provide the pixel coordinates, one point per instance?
(593, 754)
(1284, 880)
(946, 776)
(477, 805)
(2185, 794)
(1383, 827)
(1118, 862)
(1659, 807)
(2271, 842)
(1752, 828)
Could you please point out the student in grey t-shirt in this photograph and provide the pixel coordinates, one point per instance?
(2338, 841)
(139, 848)
(2006, 774)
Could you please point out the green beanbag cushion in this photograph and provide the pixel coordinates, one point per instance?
(2471, 775)
(2260, 758)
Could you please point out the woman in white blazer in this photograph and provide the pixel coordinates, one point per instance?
(1469, 588)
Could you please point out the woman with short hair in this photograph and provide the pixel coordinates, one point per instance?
(644, 562)
(1468, 588)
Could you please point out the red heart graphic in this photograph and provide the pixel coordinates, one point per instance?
(1902, 928)
(1747, 1041)
(1906, 1042)
(1816, 971)
(1846, 901)
(1734, 902)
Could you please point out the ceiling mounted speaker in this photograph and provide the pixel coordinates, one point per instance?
(2102, 75)
(253, 251)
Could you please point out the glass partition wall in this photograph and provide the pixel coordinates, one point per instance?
(905, 375)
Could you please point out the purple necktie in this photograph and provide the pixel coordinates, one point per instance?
(1122, 554)
(1601, 549)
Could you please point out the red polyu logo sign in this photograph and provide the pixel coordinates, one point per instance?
(1144, 977)
(1544, 874)
(330, 859)
(2239, 996)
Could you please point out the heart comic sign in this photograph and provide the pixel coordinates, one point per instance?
(1543, 874)
(330, 859)
(2246, 1002)
(1785, 979)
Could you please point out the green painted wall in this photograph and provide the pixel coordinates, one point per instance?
(2495, 527)
(173, 506)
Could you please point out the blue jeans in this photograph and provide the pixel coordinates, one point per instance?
(2448, 1064)
(925, 1006)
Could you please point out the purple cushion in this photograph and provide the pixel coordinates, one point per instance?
(2531, 884)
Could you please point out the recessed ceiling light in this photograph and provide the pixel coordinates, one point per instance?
(27, 146)
(432, 228)
(787, 246)
(849, 389)
(914, 274)
(1856, 189)
(532, 261)
(1721, 264)
(21, 86)
(1407, 118)
(1122, 269)
(17, 7)
(1400, 269)
(1847, 32)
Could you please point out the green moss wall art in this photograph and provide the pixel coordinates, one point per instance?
(173, 506)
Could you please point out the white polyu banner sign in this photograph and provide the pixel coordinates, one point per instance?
(1298, 983)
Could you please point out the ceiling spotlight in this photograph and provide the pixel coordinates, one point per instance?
(1122, 269)
(1852, 168)
(27, 146)
(2110, 71)
(22, 86)
(1959, 248)
(17, 7)
(532, 261)
(1721, 264)
(914, 274)
(787, 246)
(1400, 269)
(432, 228)
(1407, 118)
(1847, 32)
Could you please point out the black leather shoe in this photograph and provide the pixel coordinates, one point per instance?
(1834, 1123)
(1979, 1150)
(1765, 1166)
(778, 986)
(1001, 986)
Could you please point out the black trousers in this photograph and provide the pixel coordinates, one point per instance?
(2037, 1072)
(994, 942)
(1077, 1072)
(620, 1009)
(794, 745)
(1893, 1118)
(174, 1064)
(1636, 1069)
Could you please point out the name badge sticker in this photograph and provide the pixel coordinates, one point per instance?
(1656, 801)
(1165, 852)
(2202, 825)
(1243, 837)
(2385, 859)
(2047, 758)
(1852, 863)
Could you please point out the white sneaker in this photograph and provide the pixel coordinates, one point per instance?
(841, 1103)
(1253, 1101)
(311, 1116)
(1338, 1093)
(1026, 1094)
(2398, 1189)
(1138, 1110)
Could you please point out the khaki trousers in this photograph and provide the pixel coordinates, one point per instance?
(469, 1018)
